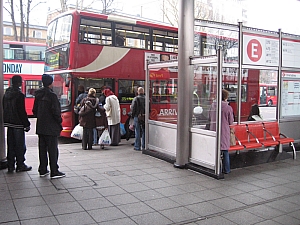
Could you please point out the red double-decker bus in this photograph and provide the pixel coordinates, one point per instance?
(96, 50)
(27, 60)
(267, 94)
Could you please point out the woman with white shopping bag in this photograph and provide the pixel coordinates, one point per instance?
(113, 114)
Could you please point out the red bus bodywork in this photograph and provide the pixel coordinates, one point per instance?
(267, 94)
(19, 63)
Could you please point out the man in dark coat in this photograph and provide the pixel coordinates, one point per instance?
(138, 107)
(48, 127)
(16, 120)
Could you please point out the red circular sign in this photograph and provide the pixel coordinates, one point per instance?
(254, 50)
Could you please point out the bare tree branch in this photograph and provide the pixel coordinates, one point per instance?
(12, 15)
(36, 5)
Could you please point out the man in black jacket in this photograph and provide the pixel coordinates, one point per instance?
(48, 127)
(16, 120)
(138, 107)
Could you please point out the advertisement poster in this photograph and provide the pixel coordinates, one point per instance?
(290, 94)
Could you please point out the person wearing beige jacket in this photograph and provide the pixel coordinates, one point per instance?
(113, 113)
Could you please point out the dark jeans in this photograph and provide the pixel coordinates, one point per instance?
(16, 147)
(48, 147)
(139, 130)
(87, 138)
(226, 161)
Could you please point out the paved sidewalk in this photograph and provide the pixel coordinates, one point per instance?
(125, 187)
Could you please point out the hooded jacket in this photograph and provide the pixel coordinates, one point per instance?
(226, 120)
(48, 112)
(89, 120)
(14, 113)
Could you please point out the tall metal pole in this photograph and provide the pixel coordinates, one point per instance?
(219, 112)
(3, 161)
(240, 73)
(185, 81)
(279, 80)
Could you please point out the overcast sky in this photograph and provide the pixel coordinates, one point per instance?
(263, 14)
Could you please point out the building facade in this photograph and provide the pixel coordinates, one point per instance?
(37, 33)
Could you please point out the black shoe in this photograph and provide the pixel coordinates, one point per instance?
(58, 174)
(10, 169)
(45, 173)
(24, 168)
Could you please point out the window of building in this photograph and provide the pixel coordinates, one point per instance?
(37, 34)
(7, 31)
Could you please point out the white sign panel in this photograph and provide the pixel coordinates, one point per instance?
(290, 94)
(23, 68)
(154, 57)
(290, 53)
(263, 51)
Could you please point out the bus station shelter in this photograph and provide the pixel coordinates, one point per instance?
(214, 56)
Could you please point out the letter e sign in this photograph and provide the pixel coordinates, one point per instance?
(254, 50)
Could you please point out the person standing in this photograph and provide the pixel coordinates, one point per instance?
(16, 120)
(82, 96)
(102, 96)
(87, 119)
(226, 120)
(137, 107)
(47, 110)
(112, 108)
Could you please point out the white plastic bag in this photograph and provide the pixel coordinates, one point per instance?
(197, 110)
(104, 138)
(77, 132)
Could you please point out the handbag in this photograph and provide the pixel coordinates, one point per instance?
(104, 138)
(77, 132)
(141, 118)
(232, 137)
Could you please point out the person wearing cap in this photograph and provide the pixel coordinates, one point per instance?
(47, 110)
(16, 120)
